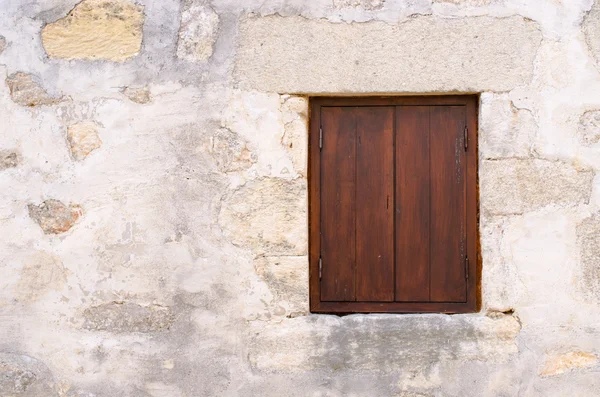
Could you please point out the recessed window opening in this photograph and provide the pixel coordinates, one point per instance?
(393, 204)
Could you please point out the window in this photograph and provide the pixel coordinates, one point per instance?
(393, 204)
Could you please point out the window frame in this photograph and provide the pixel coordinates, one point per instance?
(472, 304)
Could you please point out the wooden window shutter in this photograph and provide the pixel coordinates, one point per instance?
(393, 204)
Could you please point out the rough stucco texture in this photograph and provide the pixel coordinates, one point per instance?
(153, 197)
(423, 54)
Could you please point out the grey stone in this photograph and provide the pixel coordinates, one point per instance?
(53, 216)
(513, 186)
(2, 44)
(8, 159)
(198, 31)
(424, 54)
(21, 375)
(120, 317)
(26, 90)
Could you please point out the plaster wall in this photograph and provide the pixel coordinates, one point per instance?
(153, 196)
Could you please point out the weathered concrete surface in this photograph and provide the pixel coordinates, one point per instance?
(424, 54)
(187, 273)
(97, 29)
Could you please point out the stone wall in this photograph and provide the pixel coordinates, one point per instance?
(153, 206)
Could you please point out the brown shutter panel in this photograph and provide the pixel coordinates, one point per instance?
(338, 204)
(448, 215)
(357, 204)
(375, 204)
(412, 204)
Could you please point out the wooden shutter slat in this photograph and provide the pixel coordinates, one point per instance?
(338, 204)
(448, 216)
(412, 204)
(375, 204)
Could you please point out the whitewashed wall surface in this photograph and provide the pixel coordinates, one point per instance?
(153, 196)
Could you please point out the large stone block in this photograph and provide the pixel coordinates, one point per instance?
(588, 236)
(513, 186)
(295, 137)
(268, 216)
(424, 54)
(499, 278)
(381, 343)
(97, 29)
(504, 130)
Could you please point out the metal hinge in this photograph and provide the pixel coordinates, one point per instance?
(466, 138)
(320, 267)
(467, 267)
(320, 137)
